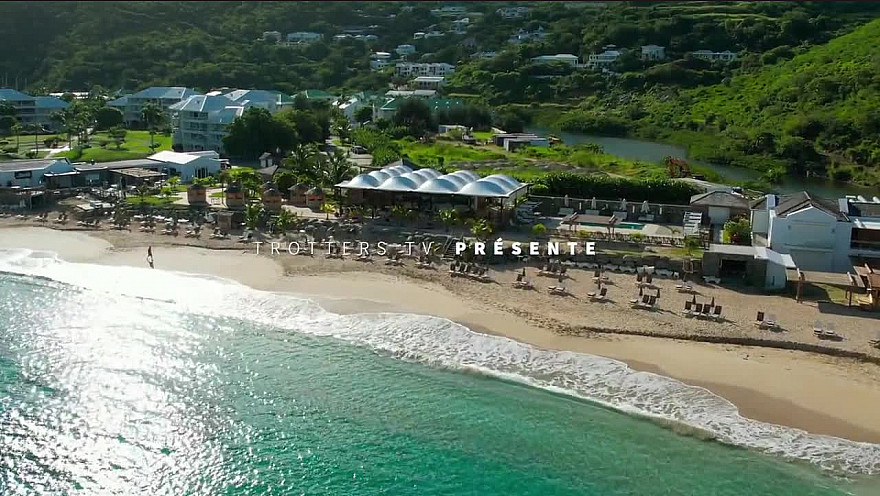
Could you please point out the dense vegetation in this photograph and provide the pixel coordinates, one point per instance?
(801, 97)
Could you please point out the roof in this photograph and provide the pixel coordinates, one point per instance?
(733, 249)
(26, 165)
(119, 102)
(402, 178)
(203, 103)
(720, 199)
(762, 253)
(14, 95)
(50, 102)
(173, 157)
(139, 173)
(261, 96)
(317, 95)
(863, 209)
(118, 164)
(759, 204)
(799, 201)
(165, 92)
(268, 171)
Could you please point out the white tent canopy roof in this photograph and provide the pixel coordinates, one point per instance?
(401, 178)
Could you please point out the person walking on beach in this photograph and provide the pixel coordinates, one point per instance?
(150, 256)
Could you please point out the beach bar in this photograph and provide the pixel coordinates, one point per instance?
(427, 190)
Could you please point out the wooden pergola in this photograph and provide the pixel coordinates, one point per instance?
(849, 282)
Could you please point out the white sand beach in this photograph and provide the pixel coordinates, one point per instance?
(818, 393)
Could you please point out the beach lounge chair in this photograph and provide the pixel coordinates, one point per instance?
(707, 311)
(716, 314)
(684, 288)
(688, 308)
(602, 296)
(759, 320)
(771, 323)
(557, 290)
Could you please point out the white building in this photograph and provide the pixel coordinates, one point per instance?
(429, 82)
(30, 173)
(814, 232)
(513, 12)
(304, 37)
(604, 59)
(725, 56)
(404, 50)
(163, 96)
(565, 58)
(274, 36)
(459, 26)
(523, 36)
(380, 60)
(449, 11)
(653, 52)
(200, 122)
(33, 110)
(415, 69)
(191, 165)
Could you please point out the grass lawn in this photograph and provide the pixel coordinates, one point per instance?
(429, 154)
(137, 145)
(218, 194)
(483, 135)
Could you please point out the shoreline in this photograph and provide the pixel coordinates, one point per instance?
(820, 394)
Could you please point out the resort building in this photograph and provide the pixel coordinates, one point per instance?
(163, 96)
(513, 12)
(449, 11)
(429, 82)
(404, 50)
(304, 37)
(272, 36)
(380, 60)
(604, 59)
(410, 93)
(33, 110)
(460, 26)
(725, 56)
(523, 36)
(415, 69)
(200, 122)
(719, 206)
(273, 101)
(817, 233)
(31, 173)
(565, 58)
(653, 52)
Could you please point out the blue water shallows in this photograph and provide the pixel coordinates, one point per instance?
(126, 381)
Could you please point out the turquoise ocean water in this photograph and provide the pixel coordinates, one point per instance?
(124, 381)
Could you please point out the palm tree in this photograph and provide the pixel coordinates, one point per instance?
(304, 162)
(153, 117)
(17, 129)
(336, 168)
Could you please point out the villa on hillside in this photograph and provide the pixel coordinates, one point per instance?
(429, 82)
(33, 110)
(523, 36)
(653, 52)
(725, 56)
(200, 122)
(604, 59)
(380, 60)
(513, 12)
(410, 69)
(565, 58)
(163, 96)
(405, 49)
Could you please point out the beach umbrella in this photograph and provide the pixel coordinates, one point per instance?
(580, 206)
(641, 291)
(524, 272)
(565, 201)
(623, 205)
(694, 300)
(713, 302)
(661, 210)
(593, 203)
(645, 208)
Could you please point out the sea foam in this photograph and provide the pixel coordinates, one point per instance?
(442, 343)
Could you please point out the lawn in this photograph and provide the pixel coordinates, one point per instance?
(26, 144)
(136, 145)
(429, 154)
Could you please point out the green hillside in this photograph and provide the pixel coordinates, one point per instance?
(821, 109)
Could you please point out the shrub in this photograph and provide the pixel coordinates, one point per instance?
(539, 230)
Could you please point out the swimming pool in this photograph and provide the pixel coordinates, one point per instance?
(620, 225)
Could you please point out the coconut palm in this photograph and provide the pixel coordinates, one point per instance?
(252, 215)
(153, 117)
(304, 162)
(336, 168)
(481, 229)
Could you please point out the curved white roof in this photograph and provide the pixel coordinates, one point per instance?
(380, 175)
(464, 182)
(483, 188)
(364, 181)
(439, 186)
(398, 183)
(418, 179)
